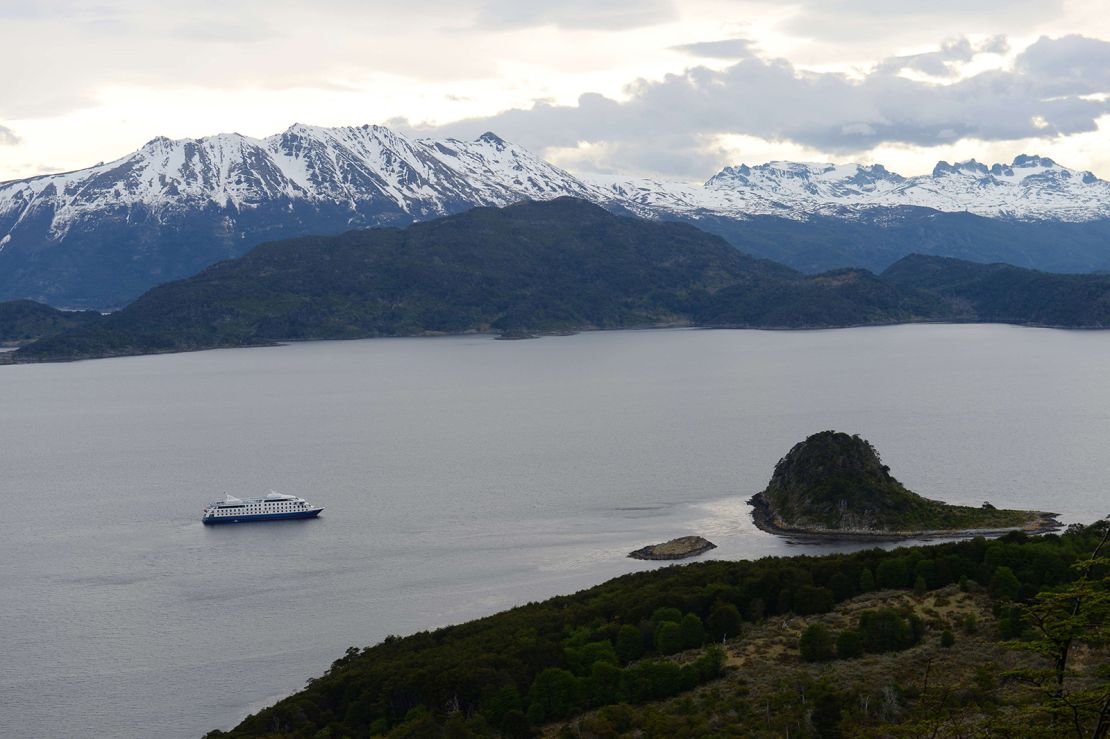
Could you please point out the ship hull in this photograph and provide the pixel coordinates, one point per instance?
(216, 520)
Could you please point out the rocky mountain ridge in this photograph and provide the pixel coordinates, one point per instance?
(100, 236)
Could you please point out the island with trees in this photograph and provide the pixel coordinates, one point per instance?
(835, 485)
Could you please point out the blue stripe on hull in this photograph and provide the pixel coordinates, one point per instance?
(262, 517)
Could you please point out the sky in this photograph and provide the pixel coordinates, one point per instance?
(639, 87)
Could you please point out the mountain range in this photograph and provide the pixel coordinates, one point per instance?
(101, 236)
(553, 266)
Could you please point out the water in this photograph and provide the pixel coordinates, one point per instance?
(460, 476)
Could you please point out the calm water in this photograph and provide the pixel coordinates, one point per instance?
(461, 476)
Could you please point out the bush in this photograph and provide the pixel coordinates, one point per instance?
(866, 581)
(885, 630)
(947, 639)
(724, 622)
(808, 600)
(553, 695)
(1004, 585)
(693, 633)
(971, 623)
(892, 573)
(660, 615)
(816, 644)
(630, 643)
(668, 638)
(840, 586)
(848, 645)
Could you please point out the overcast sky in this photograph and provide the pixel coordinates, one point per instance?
(644, 87)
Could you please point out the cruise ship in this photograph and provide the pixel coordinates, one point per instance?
(271, 507)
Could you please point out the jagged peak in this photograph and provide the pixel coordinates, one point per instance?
(1032, 160)
(490, 137)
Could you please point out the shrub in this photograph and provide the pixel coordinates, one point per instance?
(724, 622)
(840, 586)
(693, 633)
(1004, 585)
(816, 644)
(892, 573)
(668, 638)
(947, 639)
(630, 643)
(660, 615)
(848, 645)
(885, 630)
(553, 695)
(808, 600)
(866, 581)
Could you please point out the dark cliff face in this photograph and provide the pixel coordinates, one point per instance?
(837, 481)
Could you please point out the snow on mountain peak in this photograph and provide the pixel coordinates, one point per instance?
(375, 173)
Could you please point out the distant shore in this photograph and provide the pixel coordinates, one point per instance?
(1042, 523)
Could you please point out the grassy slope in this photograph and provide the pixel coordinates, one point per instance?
(926, 690)
(407, 685)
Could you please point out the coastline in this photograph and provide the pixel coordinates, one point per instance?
(10, 357)
(1045, 522)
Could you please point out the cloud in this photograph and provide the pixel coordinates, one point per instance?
(946, 61)
(668, 125)
(574, 14)
(8, 137)
(865, 20)
(733, 48)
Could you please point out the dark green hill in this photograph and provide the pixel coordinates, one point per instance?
(1006, 294)
(22, 321)
(834, 483)
(623, 648)
(550, 266)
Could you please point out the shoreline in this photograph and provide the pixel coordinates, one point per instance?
(9, 356)
(1044, 523)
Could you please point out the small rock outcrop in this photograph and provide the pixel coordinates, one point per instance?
(680, 548)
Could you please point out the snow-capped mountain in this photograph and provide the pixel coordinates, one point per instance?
(101, 236)
(1030, 189)
(352, 167)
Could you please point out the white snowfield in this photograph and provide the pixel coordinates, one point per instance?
(424, 178)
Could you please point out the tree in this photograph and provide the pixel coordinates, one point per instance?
(848, 645)
(1004, 584)
(1077, 613)
(885, 630)
(866, 581)
(630, 643)
(892, 573)
(809, 600)
(553, 695)
(724, 622)
(816, 644)
(668, 638)
(920, 587)
(693, 632)
(666, 614)
(840, 586)
(947, 639)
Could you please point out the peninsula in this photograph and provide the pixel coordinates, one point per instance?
(834, 485)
